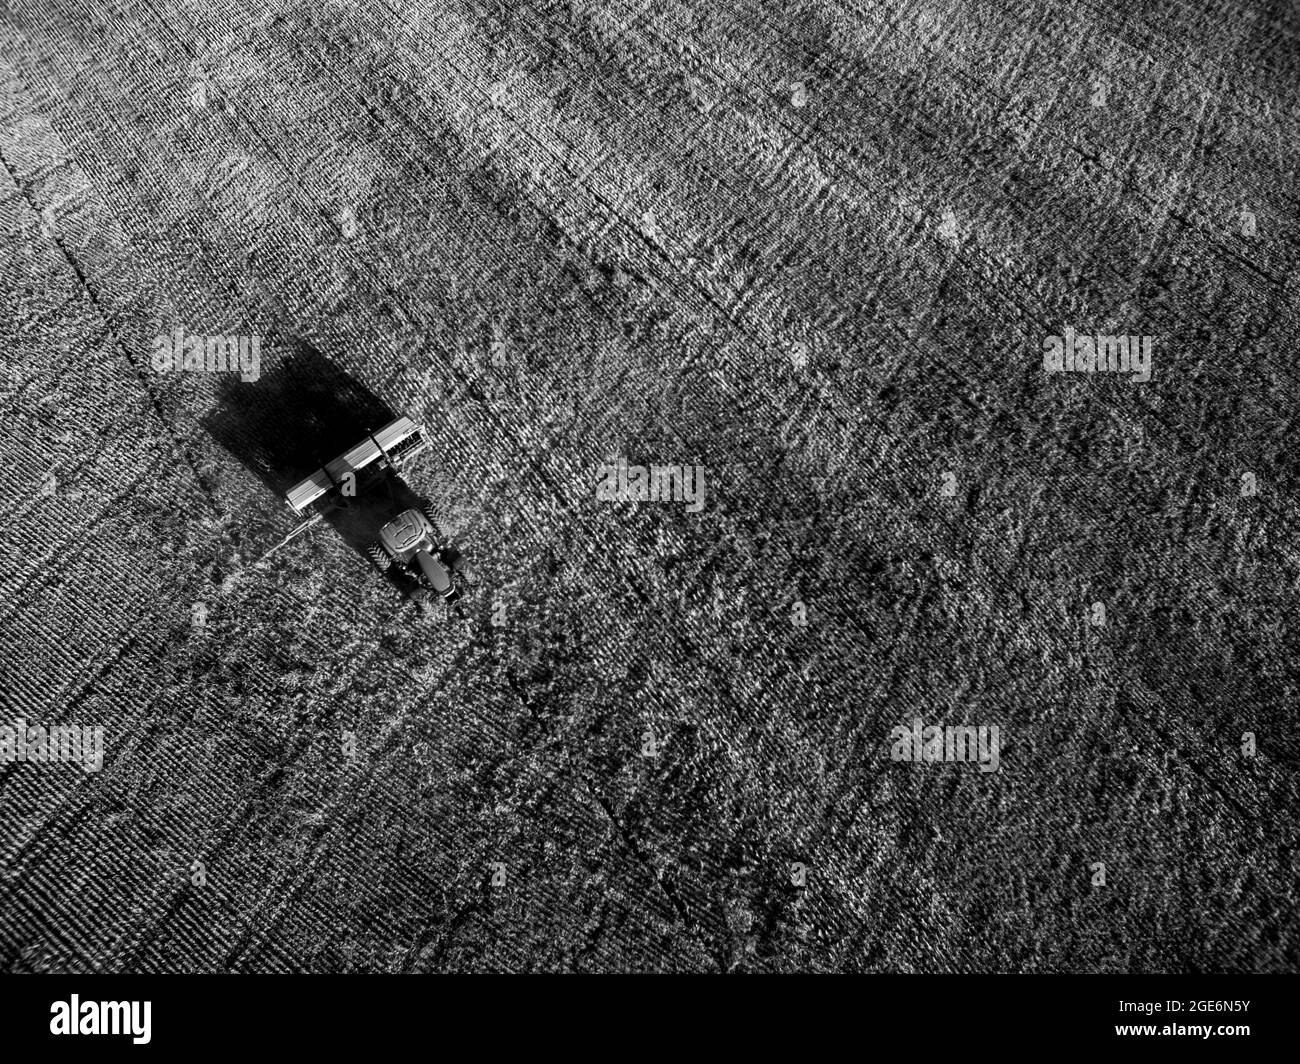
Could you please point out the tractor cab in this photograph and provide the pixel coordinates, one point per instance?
(408, 539)
(405, 535)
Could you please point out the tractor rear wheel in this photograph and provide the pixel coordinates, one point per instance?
(380, 557)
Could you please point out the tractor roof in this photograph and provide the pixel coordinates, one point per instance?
(405, 531)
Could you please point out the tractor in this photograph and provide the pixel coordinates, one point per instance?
(409, 541)
(363, 491)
